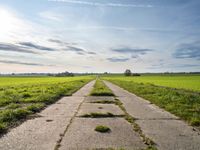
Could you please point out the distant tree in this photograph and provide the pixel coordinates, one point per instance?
(127, 72)
(136, 74)
(64, 74)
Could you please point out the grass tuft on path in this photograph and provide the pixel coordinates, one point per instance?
(100, 89)
(102, 129)
(98, 115)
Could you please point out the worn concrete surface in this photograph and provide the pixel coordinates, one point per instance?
(93, 99)
(87, 108)
(43, 133)
(165, 129)
(81, 135)
(85, 90)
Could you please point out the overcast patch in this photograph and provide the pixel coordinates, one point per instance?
(15, 48)
(191, 50)
(115, 59)
(39, 47)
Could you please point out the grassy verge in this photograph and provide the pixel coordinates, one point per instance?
(184, 104)
(100, 89)
(19, 101)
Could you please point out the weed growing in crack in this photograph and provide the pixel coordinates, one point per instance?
(102, 129)
(98, 115)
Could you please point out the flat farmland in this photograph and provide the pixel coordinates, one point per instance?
(187, 82)
(178, 94)
(23, 96)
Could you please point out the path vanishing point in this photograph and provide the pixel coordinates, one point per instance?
(62, 127)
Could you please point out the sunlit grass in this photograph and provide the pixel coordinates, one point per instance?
(188, 82)
(183, 103)
(100, 89)
(22, 96)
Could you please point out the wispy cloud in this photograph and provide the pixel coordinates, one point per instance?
(62, 43)
(74, 49)
(78, 50)
(56, 41)
(191, 50)
(15, 48)
(125, 28)
(169, 66)
(92, 53)
(22, 63)
(115, 59)
(36, 46)
(51, 16)
(102, 4)
(139, 51)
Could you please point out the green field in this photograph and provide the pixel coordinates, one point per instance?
(178, 94)
(188, 82)
(22, 96)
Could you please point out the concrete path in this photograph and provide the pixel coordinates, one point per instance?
(81, 134)
(44, 132)
(165, 129)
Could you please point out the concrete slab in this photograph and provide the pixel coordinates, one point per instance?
(67, 99)
(81, 135)
(143, 110)
(67, 110)
(87, 108)
(171, 134)
(43, 133)
(84, 91)
(67, 106)
(157, 124)
(93, 99)
(37, 134)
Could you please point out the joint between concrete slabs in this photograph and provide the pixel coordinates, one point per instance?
(58, 144)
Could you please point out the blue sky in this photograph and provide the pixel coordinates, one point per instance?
(99, 35)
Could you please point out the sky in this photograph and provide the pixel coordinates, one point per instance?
(99, 36)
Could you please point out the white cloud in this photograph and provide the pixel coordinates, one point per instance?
(51, 16)
(101, 4)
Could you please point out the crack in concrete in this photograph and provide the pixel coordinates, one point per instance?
(129, 118)
(58, 144)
